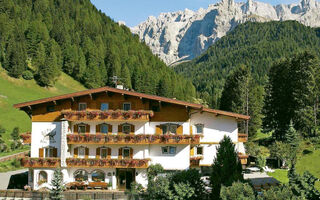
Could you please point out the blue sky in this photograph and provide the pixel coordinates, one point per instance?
(132, 12)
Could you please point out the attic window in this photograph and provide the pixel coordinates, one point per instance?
(82, 106)
(199, 128)
(126, 106)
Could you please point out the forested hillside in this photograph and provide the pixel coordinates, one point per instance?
(256, 45)
(41, 38)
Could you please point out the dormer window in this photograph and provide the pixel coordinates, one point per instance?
(126, 106)
(82, 106)
(199, 128)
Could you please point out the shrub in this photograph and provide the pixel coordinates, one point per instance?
(27, 75)
(16, 163)
(238, 190)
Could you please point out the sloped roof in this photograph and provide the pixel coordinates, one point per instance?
(131, 93)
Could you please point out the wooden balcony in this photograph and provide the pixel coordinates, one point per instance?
(195, 161)
(132, 139)
(26, 137)
(40, 162)
(108, 163)
(110, 115)
(242, 137)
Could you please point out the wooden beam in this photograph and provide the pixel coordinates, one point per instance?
(72, 99)
(90, 96)
(55, 103)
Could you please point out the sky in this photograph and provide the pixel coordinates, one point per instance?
(133, 12)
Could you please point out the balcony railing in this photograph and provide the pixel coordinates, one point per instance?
(40, 162)
(110, 115)
(108, 163)
(132, 139)
(195, 161)
(26, 137)
(242, 137)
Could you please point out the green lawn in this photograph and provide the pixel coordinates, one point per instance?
(10, 165)
(14, 91)
(281, 175)
(24, 148)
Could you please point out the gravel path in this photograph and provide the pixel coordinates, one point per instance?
(5, 177)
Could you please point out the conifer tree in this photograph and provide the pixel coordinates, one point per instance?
(57, 186)
(226, 167)
(126, 77)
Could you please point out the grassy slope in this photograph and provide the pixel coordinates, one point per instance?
(14, 91)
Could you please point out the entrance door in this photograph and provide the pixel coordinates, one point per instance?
(125, 178)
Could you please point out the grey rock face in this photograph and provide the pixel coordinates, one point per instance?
(183, 35)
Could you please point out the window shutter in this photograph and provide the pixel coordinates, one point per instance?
(158, 130)
(131, 153)
(98, 152)
(132, 129)
(120, 153)
(98, 128)
(192, 151)
(55, 152)
(75, 129)
(109, 128)
(87, 128)
(180, 130)
(191, 130)
(75, 152)
(109, 153)
(120, 129)
(87, 152)
(41, 150)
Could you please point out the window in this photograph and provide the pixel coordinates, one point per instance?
(80, 175)
(43, 177)
(98, 176)
(82, 106)
(104, 106)
(169, 128)
(168, 150)
(81, 128)
(49, 152)
(81, 152)
(50, 108)
(104, 128)
(173, 129)
(199, 151)
(199, 128)
(126, 106)
(126, 128)
(104, 152)
(126, 153)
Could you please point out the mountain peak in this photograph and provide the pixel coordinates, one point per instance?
(184, 35)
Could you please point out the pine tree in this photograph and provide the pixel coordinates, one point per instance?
(126, 78)
(57, 186)
(226, 167)
(15, 133)
(15, 59)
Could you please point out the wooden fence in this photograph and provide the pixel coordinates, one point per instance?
(69, 195)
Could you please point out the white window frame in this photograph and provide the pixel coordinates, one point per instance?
(199, 125)
(79, 152)
(126, 148)
(129, 103)
(126, 125)
(82, 103)
(167, 148)
(101, 106)
(82, 125)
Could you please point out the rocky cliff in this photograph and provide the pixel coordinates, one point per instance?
(183, 35)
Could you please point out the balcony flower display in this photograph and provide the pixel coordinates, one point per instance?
(109, 163)
(40, 162)
(132, 139)
(104, 115)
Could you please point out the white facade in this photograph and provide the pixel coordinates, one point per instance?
(48, 134)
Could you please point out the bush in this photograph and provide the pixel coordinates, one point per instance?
(27, 75)
(278, 192)
(16, 163)
(237, 190)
